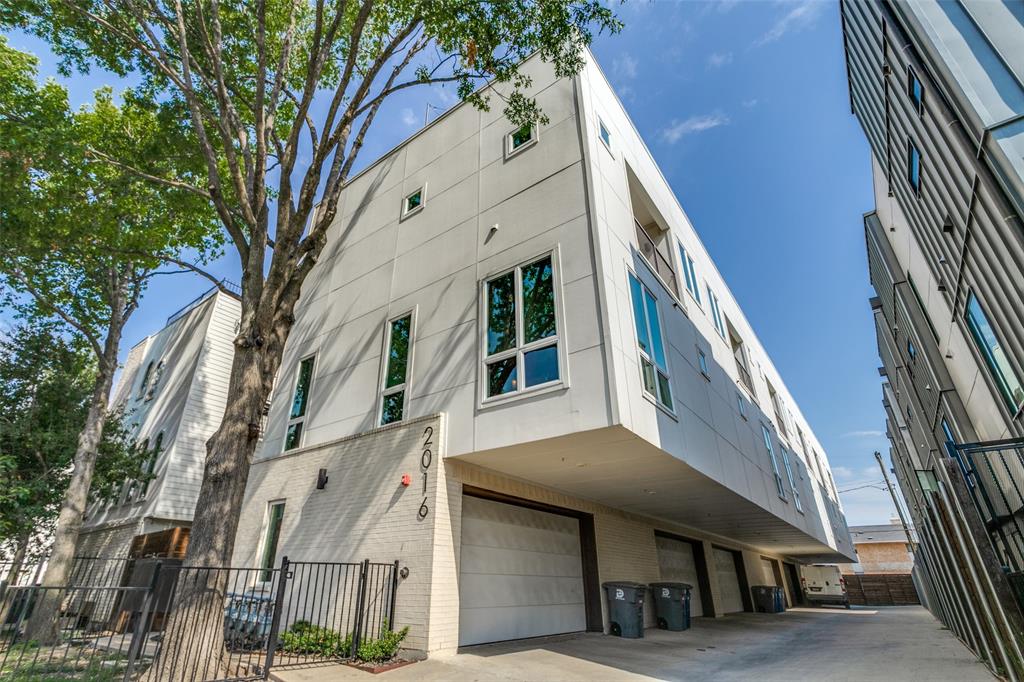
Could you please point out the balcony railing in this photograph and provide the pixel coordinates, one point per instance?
(662, 266)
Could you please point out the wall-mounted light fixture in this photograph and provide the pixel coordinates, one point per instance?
(321, 479)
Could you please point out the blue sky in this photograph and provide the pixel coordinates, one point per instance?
(745, 107)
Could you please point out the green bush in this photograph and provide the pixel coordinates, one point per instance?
(383, 649)
(305, 639)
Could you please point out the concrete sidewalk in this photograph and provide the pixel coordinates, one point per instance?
(889, 643)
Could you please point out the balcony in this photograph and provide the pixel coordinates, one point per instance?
(659, 263)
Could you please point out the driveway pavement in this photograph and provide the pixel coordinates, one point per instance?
(874, 644)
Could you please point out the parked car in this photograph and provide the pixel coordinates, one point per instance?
(824, 584)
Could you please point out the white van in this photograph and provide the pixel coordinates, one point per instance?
(824, 585)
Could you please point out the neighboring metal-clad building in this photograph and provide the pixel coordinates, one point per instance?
(938, 88)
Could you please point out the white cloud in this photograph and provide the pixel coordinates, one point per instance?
(800, 16)
(863, 434)
(719, 59)
(842, 473)
(625, 65)
(749, 103)
(409, 118)
(695, 124)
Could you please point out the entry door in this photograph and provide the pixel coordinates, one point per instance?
(520, 575)
(676, 562)
(728, 581)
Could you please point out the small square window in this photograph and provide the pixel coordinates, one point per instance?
(414, 202)
(604, 134)
(702, 359)
(520, 138)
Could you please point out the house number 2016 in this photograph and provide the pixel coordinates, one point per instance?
(426, 459)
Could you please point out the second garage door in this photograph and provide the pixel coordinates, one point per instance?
(520, 573)
(728, 581)
(676, 563)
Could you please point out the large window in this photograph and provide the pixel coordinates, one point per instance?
(780, 420)
(995, 357)
(914, 166)
(792, 480)
(396, 370)
(739, 353)
(275, 514)
(521, 348)
(716, 313)
(300, 404)
(690, 274)
(653, 361)
(774, 462)
(915, 89)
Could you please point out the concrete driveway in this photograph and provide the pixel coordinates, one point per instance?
(890, 643)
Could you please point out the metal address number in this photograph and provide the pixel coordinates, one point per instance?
(426, 459)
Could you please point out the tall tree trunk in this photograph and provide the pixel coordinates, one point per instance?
(193, 642)
(43, 626)
(14, 571)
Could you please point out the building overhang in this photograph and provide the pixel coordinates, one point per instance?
(617, 468)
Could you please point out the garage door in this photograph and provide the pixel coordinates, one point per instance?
(520, 573)
(769, 572)
(676, 562)
(728, 581)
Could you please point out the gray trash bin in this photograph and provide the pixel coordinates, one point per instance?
(672, 605)
(626, 608)
(768, 599)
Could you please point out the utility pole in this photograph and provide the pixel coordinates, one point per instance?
(895, 501)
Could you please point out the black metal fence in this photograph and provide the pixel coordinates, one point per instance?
(297, 614)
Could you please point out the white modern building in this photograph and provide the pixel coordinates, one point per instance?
(172, 391)
(523, 376)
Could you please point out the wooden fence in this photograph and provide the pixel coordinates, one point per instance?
(879, 589)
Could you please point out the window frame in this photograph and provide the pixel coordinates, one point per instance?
(789, 474)
(690, 274)
(511, 151)
(409, 212)
(383, 391)
(913, 78)
(604, 134)
(741, 404)
(995, 372)
(716, 312)
(519, 350)
(647, 356)
(702, 362)
(288, 406)
(912, 150)
(767, 434)
(144, 382)
(265, 573)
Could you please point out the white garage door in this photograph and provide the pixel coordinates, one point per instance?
(521, 574)
(769, 572)
(728, 581)
(676, 563)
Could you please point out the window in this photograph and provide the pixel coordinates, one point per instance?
(520, 138)
(915, 89)
(414, 202)
(603, 133)
(130, 484)
(396, 370)
(792, 481)
(702, 359)
(300, 401)
(950, 437)
(995, 357)
(914, 166)
(521, 348)
(144, 384)
(911, 351)
(653, 362)
(780, 421)
(775, 464)
(150, 466)
(275, 514)
(741, 403)
(739, 354)
(689, 274)
(716, 314)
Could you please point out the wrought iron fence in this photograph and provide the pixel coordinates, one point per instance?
(296, 614)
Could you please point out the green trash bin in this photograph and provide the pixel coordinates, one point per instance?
(672, 605)
(626, 608)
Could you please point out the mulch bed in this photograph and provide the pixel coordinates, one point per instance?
(376, 668)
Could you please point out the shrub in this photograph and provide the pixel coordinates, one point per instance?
(383, 649)
(305, 639)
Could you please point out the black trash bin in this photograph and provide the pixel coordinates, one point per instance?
(672, 605)
(626, 608)
(768, 599)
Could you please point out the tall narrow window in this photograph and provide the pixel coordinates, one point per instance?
(780, 420)
(653, 362)
(915, 89)
(739, 354)
(521, 348)
(914, 166)
(275, 514)
(603, 133)
(702, 360)
(716, 313)
(150, 465)
(741, 404)
(396, 370)
(792, 480)
(689, 274)
(995, 357)
(144, 385)
(300, 403)
(774, 462)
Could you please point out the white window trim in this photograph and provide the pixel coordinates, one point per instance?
(792, 481)
(534, 138)
(716, 311)
(264, 527)
(766, 435)
(409, 212)
(740, 405)
(291, 401)
(519, 350)
(689, 271)
(702, 363)
(383, 392)
(606, 143)
(643, 355)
